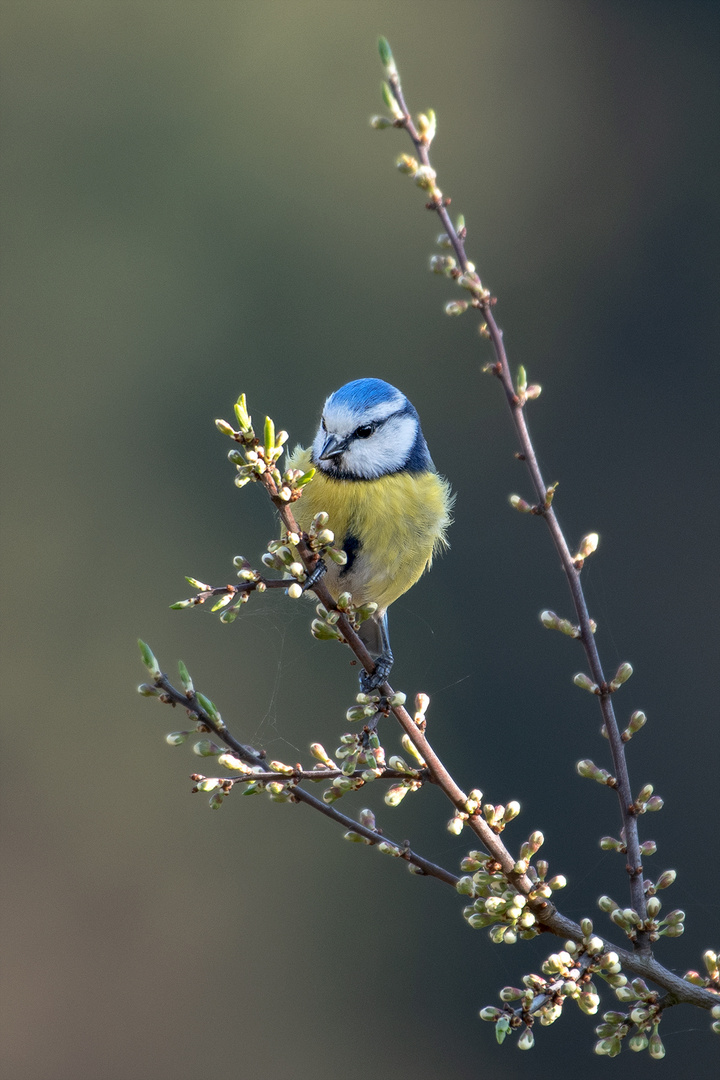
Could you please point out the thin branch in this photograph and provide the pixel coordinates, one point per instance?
(679, 990)
(484, 301)
(299, 794)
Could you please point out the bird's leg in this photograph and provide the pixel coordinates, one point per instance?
(374, 635)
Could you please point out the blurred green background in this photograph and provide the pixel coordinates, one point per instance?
(195, 206)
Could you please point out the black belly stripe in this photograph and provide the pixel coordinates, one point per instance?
(351, 548)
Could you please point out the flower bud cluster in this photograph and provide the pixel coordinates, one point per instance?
(361, 758)
(497, 904)
(630, 922)
(565, 974)
(639, 1025)
(710, 981)
(260, 457)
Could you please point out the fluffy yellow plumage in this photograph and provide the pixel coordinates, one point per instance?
(386, 504)
(400, 522)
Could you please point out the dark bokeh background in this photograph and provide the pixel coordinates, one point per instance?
(195, 206)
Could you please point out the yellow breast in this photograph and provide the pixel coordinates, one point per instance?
(392, 527)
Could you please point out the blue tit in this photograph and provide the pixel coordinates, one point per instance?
(387, 505)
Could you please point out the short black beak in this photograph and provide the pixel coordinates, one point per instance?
(333, 447)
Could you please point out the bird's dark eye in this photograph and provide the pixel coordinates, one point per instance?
(365, 431)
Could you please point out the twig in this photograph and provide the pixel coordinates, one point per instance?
(299, 794)
(484, 301)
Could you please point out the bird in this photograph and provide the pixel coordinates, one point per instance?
(387, 505)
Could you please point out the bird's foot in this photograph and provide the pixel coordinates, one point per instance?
(372, 680)
(315, 575)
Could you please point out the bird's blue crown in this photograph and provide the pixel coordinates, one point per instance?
(368, 407)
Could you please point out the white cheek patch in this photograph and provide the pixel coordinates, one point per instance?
(385, 451)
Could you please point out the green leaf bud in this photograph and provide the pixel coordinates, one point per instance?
(456, 307)
(201, 586)
(654, 803)
(208, 706)
(390, 101)
(548, 618)
(224, 428)
(146, 690)
(149, 660)
(386, 57)
(380, 122)
(222, 602)
(269, 437)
